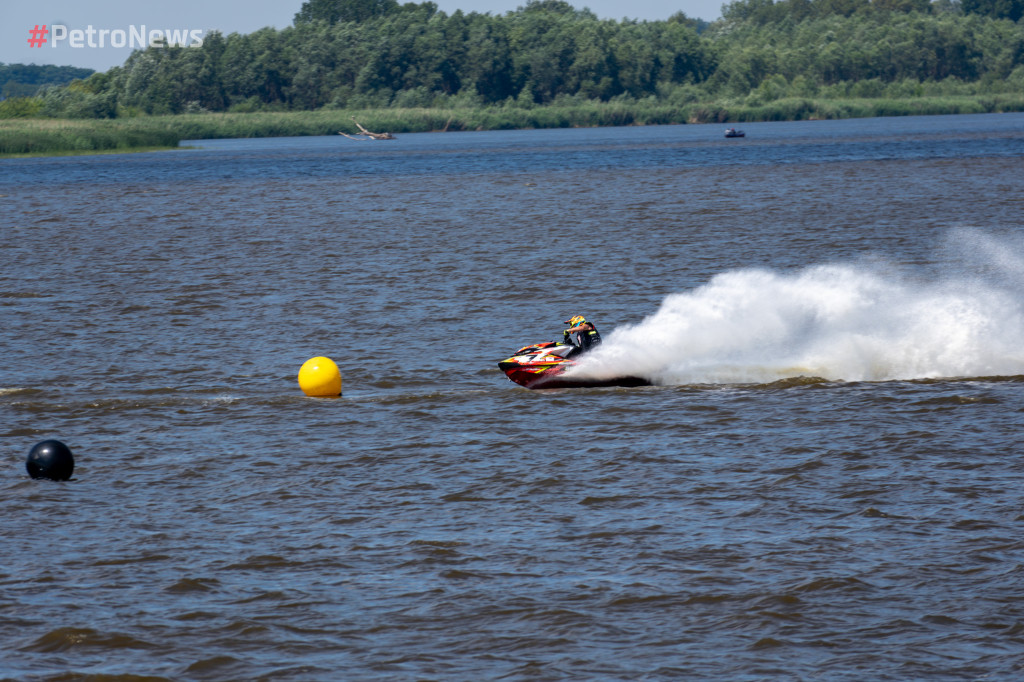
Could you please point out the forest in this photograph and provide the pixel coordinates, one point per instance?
(25, 80)
(361, 54)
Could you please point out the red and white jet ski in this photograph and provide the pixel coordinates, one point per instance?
(543, 365)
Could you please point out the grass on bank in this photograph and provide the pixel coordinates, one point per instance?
(38, 136)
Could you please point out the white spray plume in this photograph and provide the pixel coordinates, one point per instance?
(837, 322)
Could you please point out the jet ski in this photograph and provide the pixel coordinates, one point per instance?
(543, 365)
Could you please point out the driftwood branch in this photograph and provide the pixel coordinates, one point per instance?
(367, 134)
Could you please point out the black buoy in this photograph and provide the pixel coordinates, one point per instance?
(50, 459)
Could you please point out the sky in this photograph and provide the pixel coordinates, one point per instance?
(131, 21)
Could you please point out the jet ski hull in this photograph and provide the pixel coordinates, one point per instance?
(543, 365)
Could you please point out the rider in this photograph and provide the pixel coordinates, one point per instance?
(581, 334)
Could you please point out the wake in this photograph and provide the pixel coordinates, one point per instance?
(839, 322)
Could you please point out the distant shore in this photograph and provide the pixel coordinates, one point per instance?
(45, 137)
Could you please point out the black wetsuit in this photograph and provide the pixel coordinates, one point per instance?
(585, 340)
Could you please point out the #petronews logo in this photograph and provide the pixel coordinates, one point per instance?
(133, 37)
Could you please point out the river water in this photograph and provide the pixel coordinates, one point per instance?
(825, 481)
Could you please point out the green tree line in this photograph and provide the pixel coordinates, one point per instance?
(25, 80)
(358, 54)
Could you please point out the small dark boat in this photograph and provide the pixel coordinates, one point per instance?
(732, 132)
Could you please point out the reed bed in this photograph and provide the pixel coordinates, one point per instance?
(61, 136)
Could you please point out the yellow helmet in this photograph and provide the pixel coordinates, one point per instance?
(576, 320)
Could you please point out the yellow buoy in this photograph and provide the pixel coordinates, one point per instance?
(319, 376)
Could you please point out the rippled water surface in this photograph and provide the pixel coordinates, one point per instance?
(825, 481)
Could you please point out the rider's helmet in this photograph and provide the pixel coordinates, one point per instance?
(576, 320)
